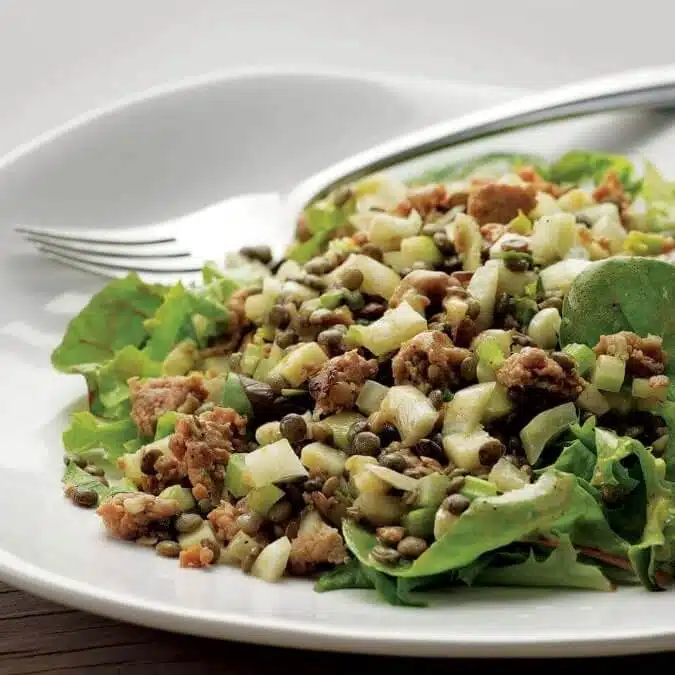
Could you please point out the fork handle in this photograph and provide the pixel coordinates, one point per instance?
(647, 88)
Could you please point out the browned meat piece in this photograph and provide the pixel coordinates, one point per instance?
(497, 203)
(130, 515)
(167, 470)
(532, 368)
(339, 381)
(223, 520)
(204, 443)
(429, 361)
(321, 546)
(425, 284)
(151, 398)
(197, 556)
(529, 175)
(644, 356)
(611, 190)
(424, 200)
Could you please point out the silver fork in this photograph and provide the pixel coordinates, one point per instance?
(178, 248)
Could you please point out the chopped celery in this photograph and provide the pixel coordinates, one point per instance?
(444, 521)
(544, 428)
(299, 292)
(421, 249)
(485, 374)
(553, 236)
(237, 479)
(420, 522)
(505, 476)
(299, 364)
(490, 353)
(257, 306)
(130, 463)
(483, 287)
(646, 243)
(322, 458)
(544, 328)
(179, 494)
(241, 548)
(432, 489)
(464, 413)
(463, 448)
(455, 310)
(643, 388)
(181, 359)
(560, 275)
(410, 411)
(261, 500)
(387, 231)
(477, 487)
(499, 404)
(357, 463)
(268, 433)
(612, 231)
(583, 355)
(233, 396)
(521, 224)
(340, 424)
(274, 463)
(389, 331)
(367, 482)
(397, 260)
(621, 402)
(214, 366)
(591, 399)
(609, 373)
(378, 279)
(370, 397)
(190, 539)
(250, 358)
(270, 564)
(379, 510)
(267, 363)
(465, 234)
(310, 522)
(514, 283)
(575, 199)
(394, 478)
(332, 298)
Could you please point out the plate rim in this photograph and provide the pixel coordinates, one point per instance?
(287, 632)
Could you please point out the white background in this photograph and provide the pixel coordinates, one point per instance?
(59, 58)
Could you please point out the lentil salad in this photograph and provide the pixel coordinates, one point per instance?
(463, 379)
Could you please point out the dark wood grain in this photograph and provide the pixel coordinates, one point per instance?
(37, 636)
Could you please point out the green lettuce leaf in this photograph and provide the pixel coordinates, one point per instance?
(347, 575)
(73, 475)
(488, 524)
(576, 458)
(578, 166)
(322, 219)
(166, 424)
(492, 164)
(559, 569)
(659, 197)
(114, 318)
(87, 432)
(634, 294)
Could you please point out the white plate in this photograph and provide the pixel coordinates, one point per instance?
(173, 150)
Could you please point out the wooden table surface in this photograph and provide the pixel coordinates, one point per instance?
(37, 636)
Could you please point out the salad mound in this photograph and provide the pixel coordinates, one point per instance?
(462, 379)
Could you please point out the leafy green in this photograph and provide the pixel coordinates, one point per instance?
(578, 166)
(560, 568)
(667, 411)
(114, 318)
(184, 313)
(387, 589)
(322, 219)
(496, 163)
(659, 197)
(489, 523)
(73, 475)
(609, 471)
(166, 424)
(576, 458)
(87, 432)
(634, 294)
(347, 575)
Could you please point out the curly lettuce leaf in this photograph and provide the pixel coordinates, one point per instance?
(559, 569)
(659, 198)
(114, 318)
(577, 459)
(579, 166)
(87, 432)
(345, 576)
